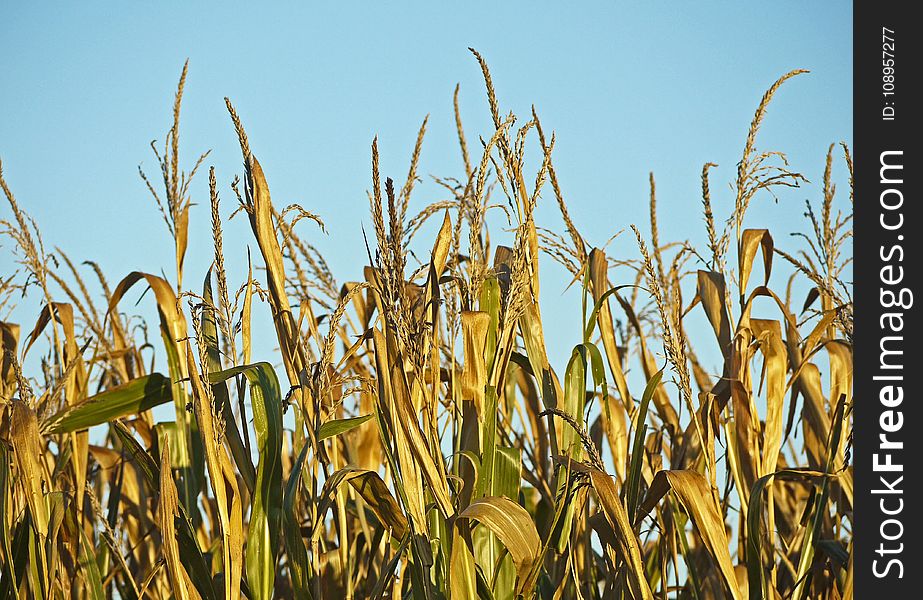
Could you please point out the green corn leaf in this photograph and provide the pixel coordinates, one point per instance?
(336, 427)
(299, 566)
(637, 446)
(132, 398)
(90, 569)
(266, 505)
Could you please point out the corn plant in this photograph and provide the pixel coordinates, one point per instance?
(410, 436)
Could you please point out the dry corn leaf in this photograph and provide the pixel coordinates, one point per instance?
(599, 277)
(27, 449)
(626, 542)
(167, 513)
(695, 494)
(474, 376)
(407, 419)
(260, 213)
(769, 334)
(751, 241)
(377, 496)
(514, 528)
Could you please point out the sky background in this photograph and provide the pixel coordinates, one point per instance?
(628, 88)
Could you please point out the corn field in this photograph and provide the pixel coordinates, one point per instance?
(410, 437)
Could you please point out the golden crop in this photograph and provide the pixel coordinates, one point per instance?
(436, 452)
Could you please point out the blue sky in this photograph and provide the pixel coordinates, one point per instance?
(627, 87)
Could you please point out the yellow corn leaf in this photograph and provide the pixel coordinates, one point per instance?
(624, 536)
(167, 512)
(599, 278)
(769, 334)
(751, 241)
(223, 480)
(694, 493)
(474, 376)
(27, 448)
(516, 531)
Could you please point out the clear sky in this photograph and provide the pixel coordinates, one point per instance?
(628, 87)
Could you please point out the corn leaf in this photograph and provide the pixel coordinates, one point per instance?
(132, 398)
(515, 529)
